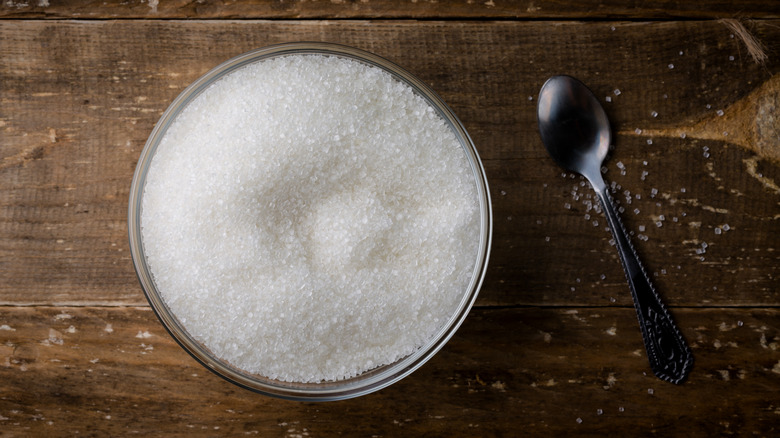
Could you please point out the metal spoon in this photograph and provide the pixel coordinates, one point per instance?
(575, 131)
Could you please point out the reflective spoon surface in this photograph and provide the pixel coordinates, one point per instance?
(575, 130)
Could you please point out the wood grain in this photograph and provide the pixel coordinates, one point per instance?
(383, 9)
(115, 371)
(78, 100)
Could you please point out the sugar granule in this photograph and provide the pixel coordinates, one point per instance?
(309, 218)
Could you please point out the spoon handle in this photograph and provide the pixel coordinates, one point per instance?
(669, 355)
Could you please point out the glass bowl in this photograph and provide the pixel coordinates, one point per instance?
(368, 381)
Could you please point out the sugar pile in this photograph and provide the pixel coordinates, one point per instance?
(309, 218)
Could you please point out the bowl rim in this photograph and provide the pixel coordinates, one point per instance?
(369, 381)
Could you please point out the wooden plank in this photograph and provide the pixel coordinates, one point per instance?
(78, 100)
(280, 9)
(116, 372)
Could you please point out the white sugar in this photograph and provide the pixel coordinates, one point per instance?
(309, 218)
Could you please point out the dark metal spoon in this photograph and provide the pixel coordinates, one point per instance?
(575, 131)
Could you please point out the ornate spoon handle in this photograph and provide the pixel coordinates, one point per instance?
(669, 355)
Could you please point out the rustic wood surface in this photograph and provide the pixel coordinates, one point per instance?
(383, 9)
(115, 371)
(80, 98)
(552, 346)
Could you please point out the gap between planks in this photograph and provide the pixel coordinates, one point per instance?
(144, 306)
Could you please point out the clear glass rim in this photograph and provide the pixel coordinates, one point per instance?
(369, 381)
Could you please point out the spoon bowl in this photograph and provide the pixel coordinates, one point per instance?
(575, 130)
(573, 125)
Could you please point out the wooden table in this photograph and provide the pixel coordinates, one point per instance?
(552, 345)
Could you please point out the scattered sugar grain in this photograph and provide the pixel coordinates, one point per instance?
(325, 199)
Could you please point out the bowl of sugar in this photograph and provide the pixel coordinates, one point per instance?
(310, 221)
